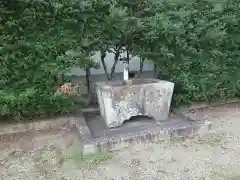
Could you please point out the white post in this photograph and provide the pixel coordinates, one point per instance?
(125, 71)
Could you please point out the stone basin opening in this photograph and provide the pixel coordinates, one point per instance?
(99, 129)
(138, 120)
(131, 82)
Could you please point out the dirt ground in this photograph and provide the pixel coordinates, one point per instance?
(51, 156)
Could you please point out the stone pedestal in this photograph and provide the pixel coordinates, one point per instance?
(119, 100)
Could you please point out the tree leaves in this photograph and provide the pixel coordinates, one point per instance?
(200, 35)
(193, 43)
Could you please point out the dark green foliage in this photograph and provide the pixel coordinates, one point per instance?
(32, 103)
(38, 41)
(196, 44)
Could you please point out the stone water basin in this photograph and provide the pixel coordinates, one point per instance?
(120, 100)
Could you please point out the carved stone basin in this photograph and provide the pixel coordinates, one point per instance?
(119, 100)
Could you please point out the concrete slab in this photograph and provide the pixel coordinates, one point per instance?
(96, 137)
(99, 138)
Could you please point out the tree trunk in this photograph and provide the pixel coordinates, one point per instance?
(116, 57)
(155, 71)
(141, 67)
(128, 58)
(88, 74)
(59, 79)
(103, 55)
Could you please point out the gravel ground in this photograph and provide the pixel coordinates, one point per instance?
(215, 156)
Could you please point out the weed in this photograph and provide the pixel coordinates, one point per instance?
(81, 160)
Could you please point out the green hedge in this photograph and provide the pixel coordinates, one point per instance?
(196, 44)
(34, 39)
(32, 103)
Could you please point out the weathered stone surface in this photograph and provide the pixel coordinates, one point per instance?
(119, 101)
(137, 132)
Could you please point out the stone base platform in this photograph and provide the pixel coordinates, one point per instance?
(96, 137)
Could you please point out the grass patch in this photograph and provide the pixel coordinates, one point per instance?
(78, 159)
(221, 176)
(211, 139)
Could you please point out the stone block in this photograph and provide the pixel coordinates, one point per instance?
(119, 101)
